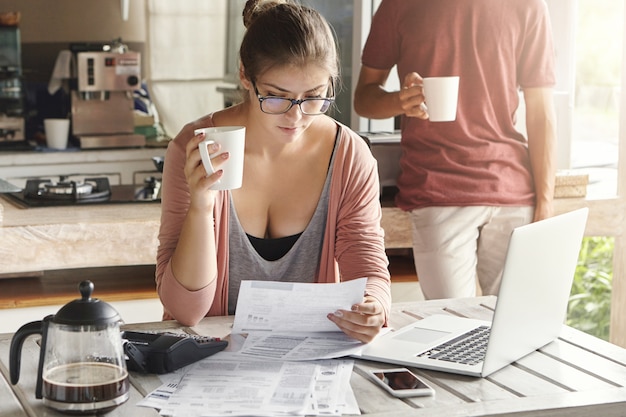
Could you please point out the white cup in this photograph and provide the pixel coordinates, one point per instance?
(441, 95)
(232, 139)
(57, 132)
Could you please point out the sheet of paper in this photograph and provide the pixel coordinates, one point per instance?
(243, 388)
(158, 398)
(299, 346)
(233, 388)
(333, 393)
(293, 306)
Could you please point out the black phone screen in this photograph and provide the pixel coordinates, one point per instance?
(401, 380)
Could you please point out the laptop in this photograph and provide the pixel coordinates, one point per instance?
(530, 311)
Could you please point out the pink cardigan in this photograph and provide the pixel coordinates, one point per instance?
(353, 244)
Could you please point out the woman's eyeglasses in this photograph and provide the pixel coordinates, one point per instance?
(280, 105)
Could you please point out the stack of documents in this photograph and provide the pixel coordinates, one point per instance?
(281, 360)
(222, 387)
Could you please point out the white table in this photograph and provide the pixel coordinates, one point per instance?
(577, 375)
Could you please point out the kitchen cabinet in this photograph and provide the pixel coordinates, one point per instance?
(121, 166)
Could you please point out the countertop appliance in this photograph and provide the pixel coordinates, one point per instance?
(82, 366)
(68, 191)
(11, 94)
(102, 100)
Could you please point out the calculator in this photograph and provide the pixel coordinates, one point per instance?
(161, 353)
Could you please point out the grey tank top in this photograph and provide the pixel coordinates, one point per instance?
(300, 264)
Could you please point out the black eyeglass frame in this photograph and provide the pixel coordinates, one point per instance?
(293, 101)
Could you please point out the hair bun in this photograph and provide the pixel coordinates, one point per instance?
(254, 8)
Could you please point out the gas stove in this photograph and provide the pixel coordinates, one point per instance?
(45, 192)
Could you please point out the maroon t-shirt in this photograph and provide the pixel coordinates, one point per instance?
(496, 47)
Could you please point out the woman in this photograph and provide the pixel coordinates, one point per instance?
(308, 209)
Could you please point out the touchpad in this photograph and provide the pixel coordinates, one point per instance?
(419, 335)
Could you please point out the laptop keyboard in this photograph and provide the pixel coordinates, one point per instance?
(468, 348)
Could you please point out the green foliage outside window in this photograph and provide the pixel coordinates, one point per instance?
(589, 308)
(598, 78)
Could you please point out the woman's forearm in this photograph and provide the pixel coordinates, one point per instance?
(194, 262)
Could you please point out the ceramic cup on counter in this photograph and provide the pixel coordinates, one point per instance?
(232, 139)
(441, 98)
(57, 133)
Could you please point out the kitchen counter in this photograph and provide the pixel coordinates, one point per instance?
(46, 238)
(49, 238)
(38, 239)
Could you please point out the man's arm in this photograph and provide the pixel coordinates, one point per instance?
(541, 129)
(373, 101)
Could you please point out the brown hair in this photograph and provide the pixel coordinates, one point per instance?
(280, 32)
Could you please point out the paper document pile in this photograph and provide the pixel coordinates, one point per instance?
(222, 387)
(281, 359)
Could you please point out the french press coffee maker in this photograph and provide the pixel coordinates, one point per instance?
(82, 367)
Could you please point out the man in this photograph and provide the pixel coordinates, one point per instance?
(469, 182)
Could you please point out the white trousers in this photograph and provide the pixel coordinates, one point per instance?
(456, 248)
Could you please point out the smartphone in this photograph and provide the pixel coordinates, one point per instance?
(400, 382)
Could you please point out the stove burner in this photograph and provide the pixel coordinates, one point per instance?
(92, 189)
(151, 189)
(46, 192)
(70, 187)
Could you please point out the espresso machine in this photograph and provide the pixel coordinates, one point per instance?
(102, 98)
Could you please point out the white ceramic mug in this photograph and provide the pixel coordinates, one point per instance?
(57, 131)
(232, 139)
(442, 95)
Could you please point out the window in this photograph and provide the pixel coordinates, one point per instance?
(592, 139)
(598, 64)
